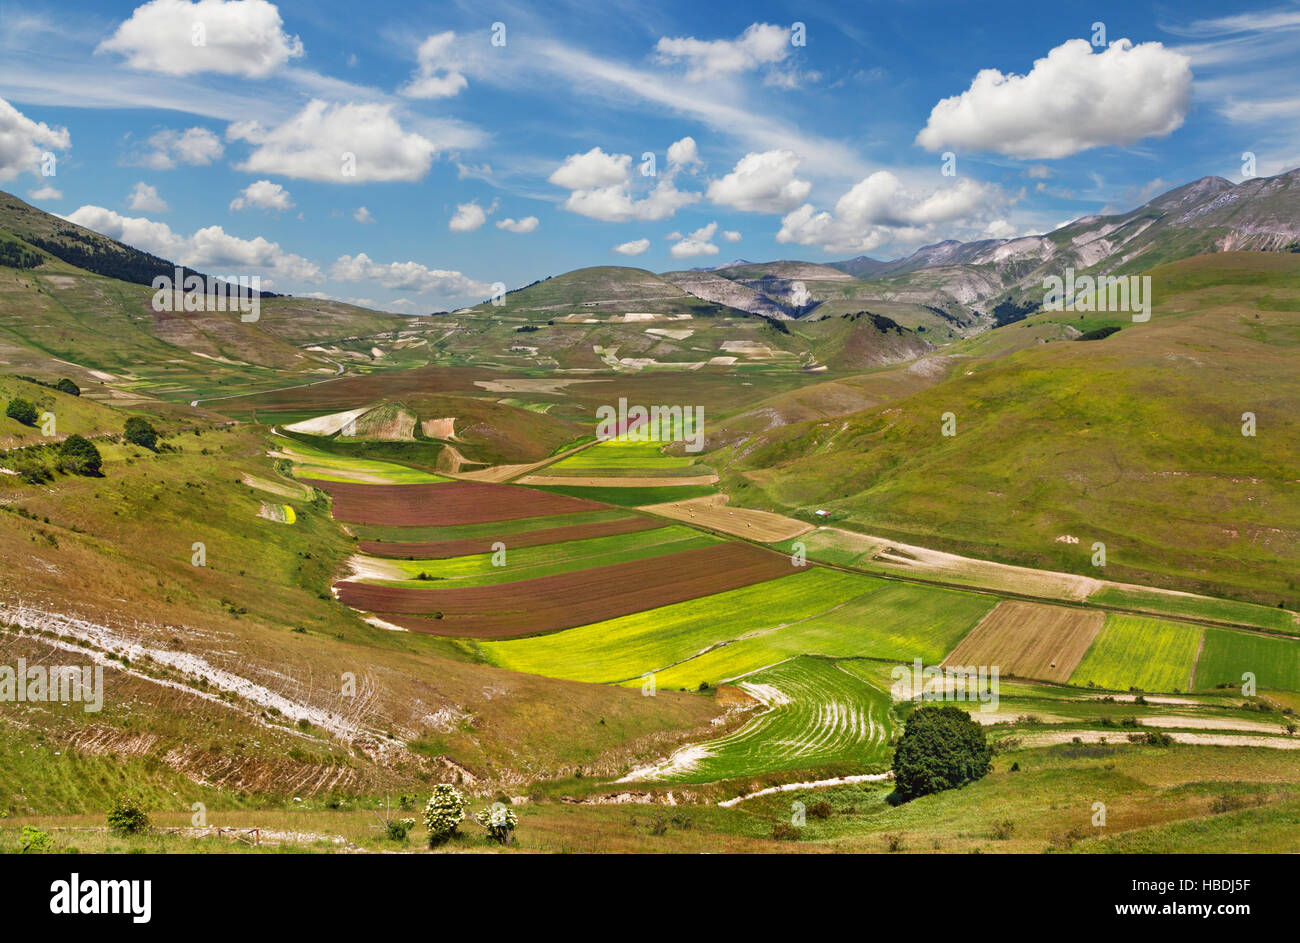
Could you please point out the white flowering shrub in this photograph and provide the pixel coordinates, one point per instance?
(444, 812)
(499, 820)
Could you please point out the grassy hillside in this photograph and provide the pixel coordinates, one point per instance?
(1134, 441)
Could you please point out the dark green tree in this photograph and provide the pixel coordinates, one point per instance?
(67, 386)
(21, 410)
(140, 432)
(941, 748)
(79, 456)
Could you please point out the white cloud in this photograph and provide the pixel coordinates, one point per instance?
(527, 224)
(880, 209)
(731, 235)
(362, 215)
(762, 183)
(210, 249)
(761, 44)
(697, 243)
(437, 75)
(407, 276)
(23, 141)
(592, 169)
(196, 147)
(312, 145)
(45, 193)
(601, 184)
(232, 37)
(635, 247)
(263, 195)
(468, 217)
(1071, 101)
(145, 199)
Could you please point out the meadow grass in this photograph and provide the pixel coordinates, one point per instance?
(310, 462)
(1140, 652)
(1228, 655)
(1204, 607)
(632, 497)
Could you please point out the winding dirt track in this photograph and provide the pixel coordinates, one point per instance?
(444, 504)
(564, 600)
(443, 549)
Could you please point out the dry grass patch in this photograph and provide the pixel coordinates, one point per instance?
(1030, 640)
(711, 511)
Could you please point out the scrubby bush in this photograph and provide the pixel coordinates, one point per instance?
(67, 386)
(499, 820)
(79, 456)
(941, 748)
(444, 812)
(398, 829)
(127, 815)
(21, 410)
(33, 839)
(141, 433)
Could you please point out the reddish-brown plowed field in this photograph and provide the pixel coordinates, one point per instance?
(549, 603)
(442, 549)
(445, 504)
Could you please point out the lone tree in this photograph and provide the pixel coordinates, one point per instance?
(140, 432)
(79, 456)
(444, 812)
(21, 410)
(941, 748)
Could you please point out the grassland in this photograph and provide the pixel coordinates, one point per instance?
(312, 462)
(1142, 653)
(632, 497)
(1201, 607)
(1227, 655)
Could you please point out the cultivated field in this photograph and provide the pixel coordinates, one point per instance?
(439, 549)
(1029, 640)
(712, 512)
(453, 502)
(1137, 652)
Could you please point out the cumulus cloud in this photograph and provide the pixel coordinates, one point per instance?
(437, 75)
(232, 37)
(697, 243)
(169, 148)
(527, 224)
(145, 199)
(45, 193)
(24, 141)
(635, 247)
(210, 249)
(315, 143)
(879, 210)
(362, 215)
(601, 184)
(762, 183)
(1071, 101)
(407, 276)
(263, 195)
(731, 235)
(762, 44)
(469, 216)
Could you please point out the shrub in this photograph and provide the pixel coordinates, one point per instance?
(1002, 830)
(67, 386)
(820, 810)
(941, 748)
(127, 815)
(398, 829)
(21, 410)
(499, 820)
(784, 831)
(79, 456)
(33, 839)
(141, 433)
(444, 812)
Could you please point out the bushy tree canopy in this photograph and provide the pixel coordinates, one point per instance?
(941, 748)
(21, 410)
(79, 456)
(141, 432)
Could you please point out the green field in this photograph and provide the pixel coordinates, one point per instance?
(310, 462)
(1203, 607)
(1227, 655)
(1139, 652)
(548, 559)
(892, 621)
(819, 715)
(626, 647)
(493, 529)
(632, 497)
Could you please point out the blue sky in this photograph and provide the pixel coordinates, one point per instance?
(215, 132)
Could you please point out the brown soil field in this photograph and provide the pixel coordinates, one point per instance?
(711, 511)
(1030, 640)
(444, 504)
(442, 549)
(565, 600)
